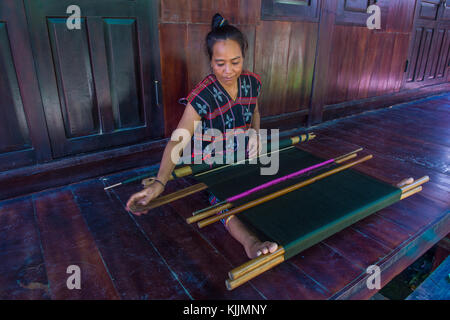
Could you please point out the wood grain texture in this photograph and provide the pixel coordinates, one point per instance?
(285, 65)
(365, 64)
(66, 240)
(174, 72)
(116, 235)
(23, 274)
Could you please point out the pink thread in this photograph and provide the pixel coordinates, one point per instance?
(271, 183)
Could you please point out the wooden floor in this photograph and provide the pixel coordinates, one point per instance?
(159, 256)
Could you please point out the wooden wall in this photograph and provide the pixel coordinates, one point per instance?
(350, 62)
(281, 52)
(366, 63)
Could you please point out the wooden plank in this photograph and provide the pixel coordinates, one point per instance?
(271, 61)
(385, 65)
(300, 65)
(249, 12)
(327, 267)
(229, 9)
(357, 247)
(66, 241)
(387, 232)
(22, 270)
(197, 59)
(175, 11)
(408, 127)
(202, 11)
(119, 239)
(322, 76)
(249, 60)
(195, 261)
(174, 72)
(382, 167)
(400, 147)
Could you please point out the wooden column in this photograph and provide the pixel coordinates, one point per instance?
(324, 43)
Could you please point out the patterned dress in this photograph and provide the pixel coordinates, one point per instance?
(218, 110)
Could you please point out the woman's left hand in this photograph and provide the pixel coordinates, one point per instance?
(254, 146)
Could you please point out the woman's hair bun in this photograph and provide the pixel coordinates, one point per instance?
(222, 30)
(218, 21)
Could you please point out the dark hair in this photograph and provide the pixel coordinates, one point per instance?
(222, 30)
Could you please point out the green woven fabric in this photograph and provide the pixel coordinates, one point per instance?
(310, 214)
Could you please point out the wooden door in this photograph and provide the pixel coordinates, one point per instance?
(23, 138)
(428, 61)
(99, 83)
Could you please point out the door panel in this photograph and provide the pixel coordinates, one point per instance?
(428, 10)
(14, 133)
(71, 58)
(429, 50)
(97, 82)
(23, 138)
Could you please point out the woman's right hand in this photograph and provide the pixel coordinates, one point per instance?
(143, 197)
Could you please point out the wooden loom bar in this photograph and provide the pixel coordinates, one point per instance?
(187, 170)
(279, 193)
(254, 263)
(410, 192)
(232, 284)
(415, 184)
(208, 213)
(169, 198)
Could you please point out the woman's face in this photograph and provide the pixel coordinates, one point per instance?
(227, 61)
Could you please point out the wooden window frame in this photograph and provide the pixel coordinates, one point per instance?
(352, 18)
(286, 10)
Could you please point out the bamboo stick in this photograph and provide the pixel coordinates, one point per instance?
(347, 155)
(416, 183)
(254, 263)
(351, 156)
(169, 198)
(187, 170)
(410, 192)
(232, 284)
(208, 213)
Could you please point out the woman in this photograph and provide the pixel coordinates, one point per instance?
(226, 99)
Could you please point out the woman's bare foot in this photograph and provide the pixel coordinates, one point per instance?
(253, 247)
(256, 248)
(405, 182)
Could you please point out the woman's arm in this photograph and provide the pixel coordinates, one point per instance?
(187, 123)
